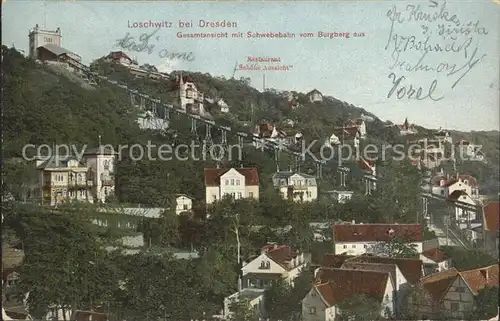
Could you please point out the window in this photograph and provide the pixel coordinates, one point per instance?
(265, 265)
(365, 246)
(232, 181)
(345, 246)
(454, 306)
(250, 194)
(185, 207)
(49, 40)
(312, 310)
(227, 182)
(240, 195)
(233, 195)
(214, 197)
(237, 182)
(442, 192)
(354, 246)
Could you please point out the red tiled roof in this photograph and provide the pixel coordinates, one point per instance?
(376, 232)
(331, 260)
(341, 284)
(281, 254)
(492, 216)
(410, 268)
(479, 278)
(435, 255)
(347, 132)
(471, 180)
(212, 175)
(438, 284)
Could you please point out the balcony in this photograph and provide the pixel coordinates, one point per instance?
(299, 187)
(78, 184)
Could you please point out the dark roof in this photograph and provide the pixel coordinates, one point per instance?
(57, 50)
(335, 261)
(455, 195)
(59, 162)
(117, 55)
(101, 150)
(376, 232)
(314, 91)
(338, 285)
(492, 216)
(281, 254)
(435, 255)
(438, 284)
(212, 175)
(410, 268)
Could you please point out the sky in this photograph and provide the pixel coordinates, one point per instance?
(356, 70)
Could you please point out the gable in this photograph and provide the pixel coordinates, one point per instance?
(313, 297)
(254, 266)
(232, 173)
(182, 199)
(456, 288)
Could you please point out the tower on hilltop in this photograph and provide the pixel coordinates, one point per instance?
(38, 37)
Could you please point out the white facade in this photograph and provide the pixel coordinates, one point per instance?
(315, 96)
(373, 247)
(298, 187)
(439, 266)
(265, 265)
(102, 167)
(255, 299)
(190, 98)
(333, 140)
(316, 308)
(233, 184)
(224, 108)
(38, 37)
(465, 215)
(342, 196)
(183, 203)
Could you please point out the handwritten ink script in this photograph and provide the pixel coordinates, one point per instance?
(445, 46)
(143, 44)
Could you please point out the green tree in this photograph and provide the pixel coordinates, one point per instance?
(468, 259)
(276, 300)
(398, 248)
(359, 307)
(242, 311)
(486, 303)
(60, 248)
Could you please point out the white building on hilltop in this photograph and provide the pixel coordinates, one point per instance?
(39, 37)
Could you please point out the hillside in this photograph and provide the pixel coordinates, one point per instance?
(44, 107)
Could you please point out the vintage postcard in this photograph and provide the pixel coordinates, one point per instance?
(250, 160)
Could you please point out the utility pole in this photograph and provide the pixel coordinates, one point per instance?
(237, 232)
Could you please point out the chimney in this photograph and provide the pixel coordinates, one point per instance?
(484, 273)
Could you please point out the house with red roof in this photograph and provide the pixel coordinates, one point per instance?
(333, 286)
(443, 184)
(404, 272)
(234, 182)
(274, 262)
(435, 261)
(357, 239)
(452, 293)
(491, 227)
